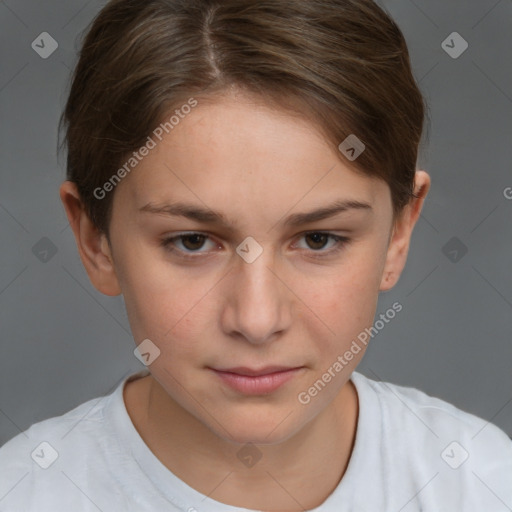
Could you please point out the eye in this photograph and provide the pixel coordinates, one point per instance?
(319, 240)
(192, 242)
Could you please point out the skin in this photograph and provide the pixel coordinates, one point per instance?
(256, 165)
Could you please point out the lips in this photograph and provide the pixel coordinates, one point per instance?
(249, 372)
(252, 381)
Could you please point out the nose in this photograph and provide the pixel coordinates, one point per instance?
(258, 301)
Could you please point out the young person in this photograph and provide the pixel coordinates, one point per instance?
(244, 174)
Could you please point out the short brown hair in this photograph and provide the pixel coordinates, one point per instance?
(342, 64)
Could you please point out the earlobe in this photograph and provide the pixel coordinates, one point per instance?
(396, 255)
(92, 245)
(398, 248)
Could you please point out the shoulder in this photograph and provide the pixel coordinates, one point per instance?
(51, 453)
(414, 408)
(421, 437)
(84, 418)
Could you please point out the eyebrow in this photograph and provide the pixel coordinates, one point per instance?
(208, 216)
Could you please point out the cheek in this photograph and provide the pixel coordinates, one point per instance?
(343, 303)
(347, 292)
(176, 312)
(164, 302)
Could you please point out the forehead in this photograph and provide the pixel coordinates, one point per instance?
(239, 151)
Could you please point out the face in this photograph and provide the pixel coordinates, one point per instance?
(256, 285)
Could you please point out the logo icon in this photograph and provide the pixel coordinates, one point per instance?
(44, 455)
(44, 45)
(454, 455)
(146, 352)
(352, 147)
(44, 250)
(454, 250)
(249, 249)
(454, 45)
(249, 455)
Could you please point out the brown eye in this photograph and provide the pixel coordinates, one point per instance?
(193, 242)
(316, 242)
(319, 240)
(186, 244)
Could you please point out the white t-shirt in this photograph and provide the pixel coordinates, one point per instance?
(412, 452)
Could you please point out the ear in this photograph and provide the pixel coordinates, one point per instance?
(400, 239)
(92, 244)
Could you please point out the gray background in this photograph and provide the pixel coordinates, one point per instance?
(63, 343)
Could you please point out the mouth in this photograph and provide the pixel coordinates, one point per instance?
(251, 381)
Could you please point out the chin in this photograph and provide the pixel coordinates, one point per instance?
(258, 428)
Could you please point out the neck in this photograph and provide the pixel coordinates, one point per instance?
(297, 474)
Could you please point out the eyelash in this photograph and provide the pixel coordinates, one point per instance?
(341, 242)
